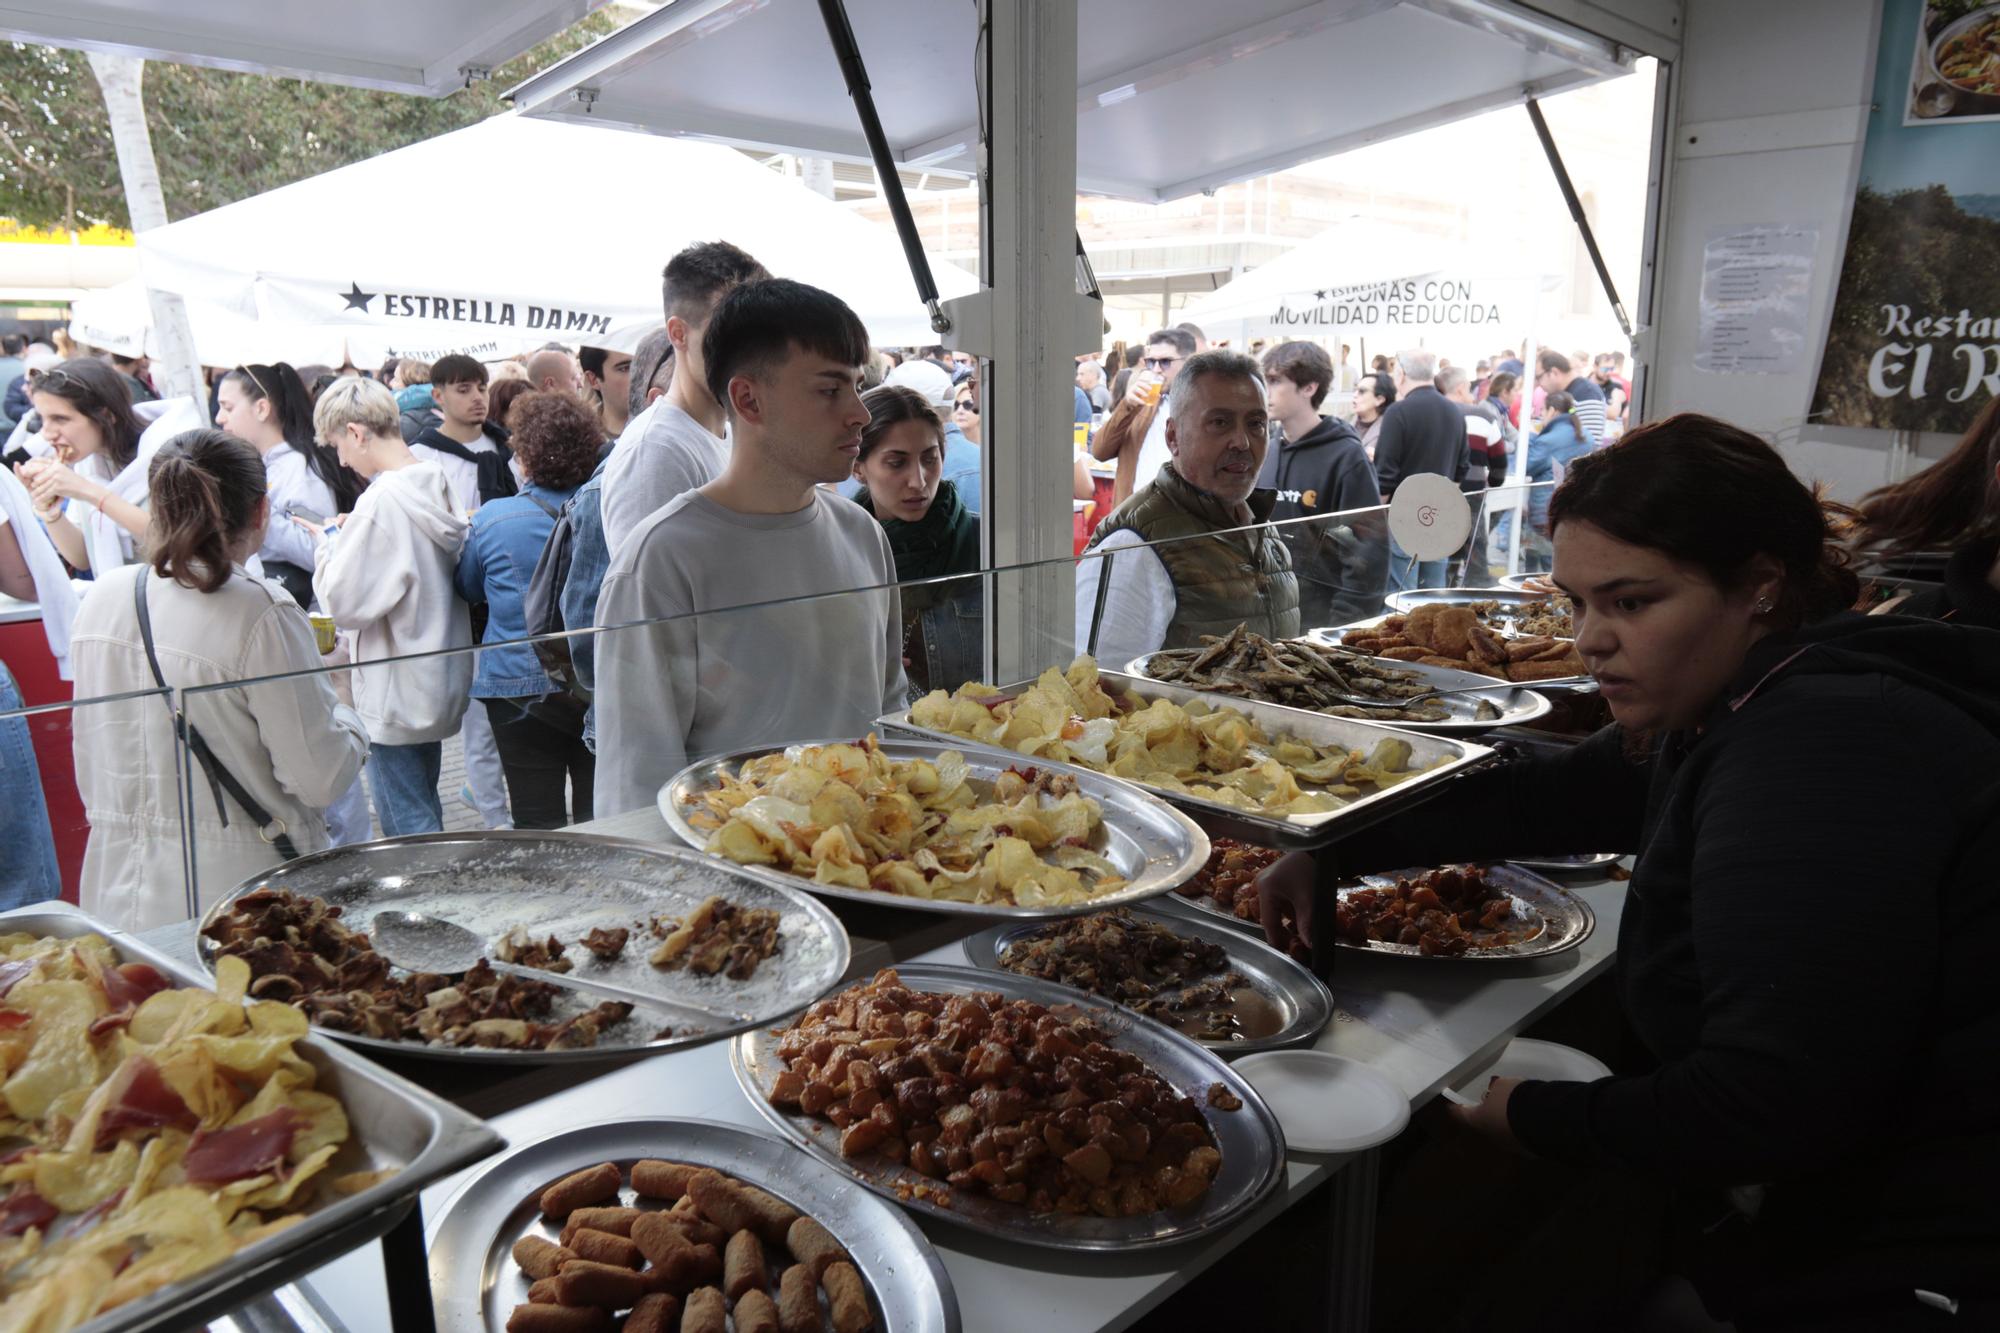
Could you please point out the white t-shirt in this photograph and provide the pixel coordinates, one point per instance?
(673, 454)
(1139, 608)
(1153, 451)
(461, 474)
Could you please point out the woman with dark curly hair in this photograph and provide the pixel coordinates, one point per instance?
(538, 727)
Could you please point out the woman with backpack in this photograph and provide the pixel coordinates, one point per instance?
(270, 756)
(537, 725)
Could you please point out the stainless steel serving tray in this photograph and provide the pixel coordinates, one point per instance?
(392, 1124)
(1302, 999)
(1411, 598)
(1289, 831)
(475, 1282)
(1568, 918)
(1518, 704)
(1580, 861)
(1154, 846)
(1519, 583)
(1336, 637)
(564, 884)
(1250, 1140)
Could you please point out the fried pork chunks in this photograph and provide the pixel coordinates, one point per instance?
(999, 1097)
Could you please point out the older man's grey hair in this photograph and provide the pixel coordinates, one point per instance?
(1216, 364)
(1451, 379)
(652, 368)
(1419, 366)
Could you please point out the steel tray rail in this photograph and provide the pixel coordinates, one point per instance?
(1155, 847)
(1449, 754)
(394, 1123)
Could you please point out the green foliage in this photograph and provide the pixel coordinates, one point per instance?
(1920, 249)
(219, 136)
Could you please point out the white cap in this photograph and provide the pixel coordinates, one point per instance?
(40, 356)
(933, 382)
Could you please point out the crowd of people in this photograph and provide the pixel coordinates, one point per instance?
(340, 540)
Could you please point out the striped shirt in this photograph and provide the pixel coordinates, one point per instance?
(1590, 408)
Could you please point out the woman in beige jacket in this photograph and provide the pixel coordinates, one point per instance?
(291, 744)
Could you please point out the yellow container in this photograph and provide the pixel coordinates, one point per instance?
(323, 632)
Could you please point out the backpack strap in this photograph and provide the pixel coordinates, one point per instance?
(220, 779)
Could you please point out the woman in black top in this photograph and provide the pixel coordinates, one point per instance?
(1806, 942)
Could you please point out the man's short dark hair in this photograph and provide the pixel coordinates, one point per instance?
(458, 368)
(1548, 361)
(1382, 386)
(1304, 364)
(699, 276)
(1181, 340)
(758, 324)
(592, 360)
(13, 344)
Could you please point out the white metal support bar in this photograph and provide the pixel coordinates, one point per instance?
(1031, 322)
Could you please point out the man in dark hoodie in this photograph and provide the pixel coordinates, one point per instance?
(472, 450)
(1805, 948)
(1317, 466)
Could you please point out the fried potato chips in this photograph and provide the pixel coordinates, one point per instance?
(150, 1131)
(850, 815)
(1217, 754)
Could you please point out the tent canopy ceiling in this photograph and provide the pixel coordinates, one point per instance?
(344, 249)
(390, 45)
(1174, 96)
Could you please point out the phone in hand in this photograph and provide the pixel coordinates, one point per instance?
(304, 515)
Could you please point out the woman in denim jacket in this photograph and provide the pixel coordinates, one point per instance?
(538, 728)
(931, 533)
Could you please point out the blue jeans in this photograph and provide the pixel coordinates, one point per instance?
(1405, 571)
(404, 779)
(27, 847)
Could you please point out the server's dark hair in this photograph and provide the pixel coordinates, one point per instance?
(292, 407)
(1951, 503)
(1710, 495)
(204, 485)
(96, 390)
(758, 323)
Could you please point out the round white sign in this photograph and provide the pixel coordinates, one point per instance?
(1429, 517)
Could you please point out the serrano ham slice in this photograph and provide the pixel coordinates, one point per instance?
(146, 1102)
(23, 1209)
(241, 1151)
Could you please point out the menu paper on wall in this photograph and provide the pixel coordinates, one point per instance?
(1756, 284)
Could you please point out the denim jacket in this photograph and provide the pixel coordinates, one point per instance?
(494, 567)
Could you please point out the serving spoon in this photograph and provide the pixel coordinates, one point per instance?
(420, 942)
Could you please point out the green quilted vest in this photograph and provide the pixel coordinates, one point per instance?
(1244, 577)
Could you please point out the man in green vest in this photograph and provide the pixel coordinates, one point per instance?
(1190, 553)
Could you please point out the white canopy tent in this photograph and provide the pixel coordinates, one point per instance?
(430, 49)
(1393, 287)
(120, 319)
(363, 248)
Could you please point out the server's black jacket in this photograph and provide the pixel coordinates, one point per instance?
(1810, 945)
(1965, 597)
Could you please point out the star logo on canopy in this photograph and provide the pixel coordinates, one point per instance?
(356, 298)
(1319, 296)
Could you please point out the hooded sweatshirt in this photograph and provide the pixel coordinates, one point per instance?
(1343, 566)
(1806, 947)
(387, 577)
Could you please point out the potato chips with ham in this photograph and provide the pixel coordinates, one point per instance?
(147, 1132)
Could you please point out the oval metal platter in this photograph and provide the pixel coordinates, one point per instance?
(1251, 1143)
(1154, 846)
(476, 1284)
(1336, 637)
(1526, 583)
(564, 884)
(1304, 1004)
(1411, 598)
(1513, 705)
(1566, 919)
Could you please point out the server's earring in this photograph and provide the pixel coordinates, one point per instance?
(1764, 606)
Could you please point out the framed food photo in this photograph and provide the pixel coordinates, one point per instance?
(1955, 68)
